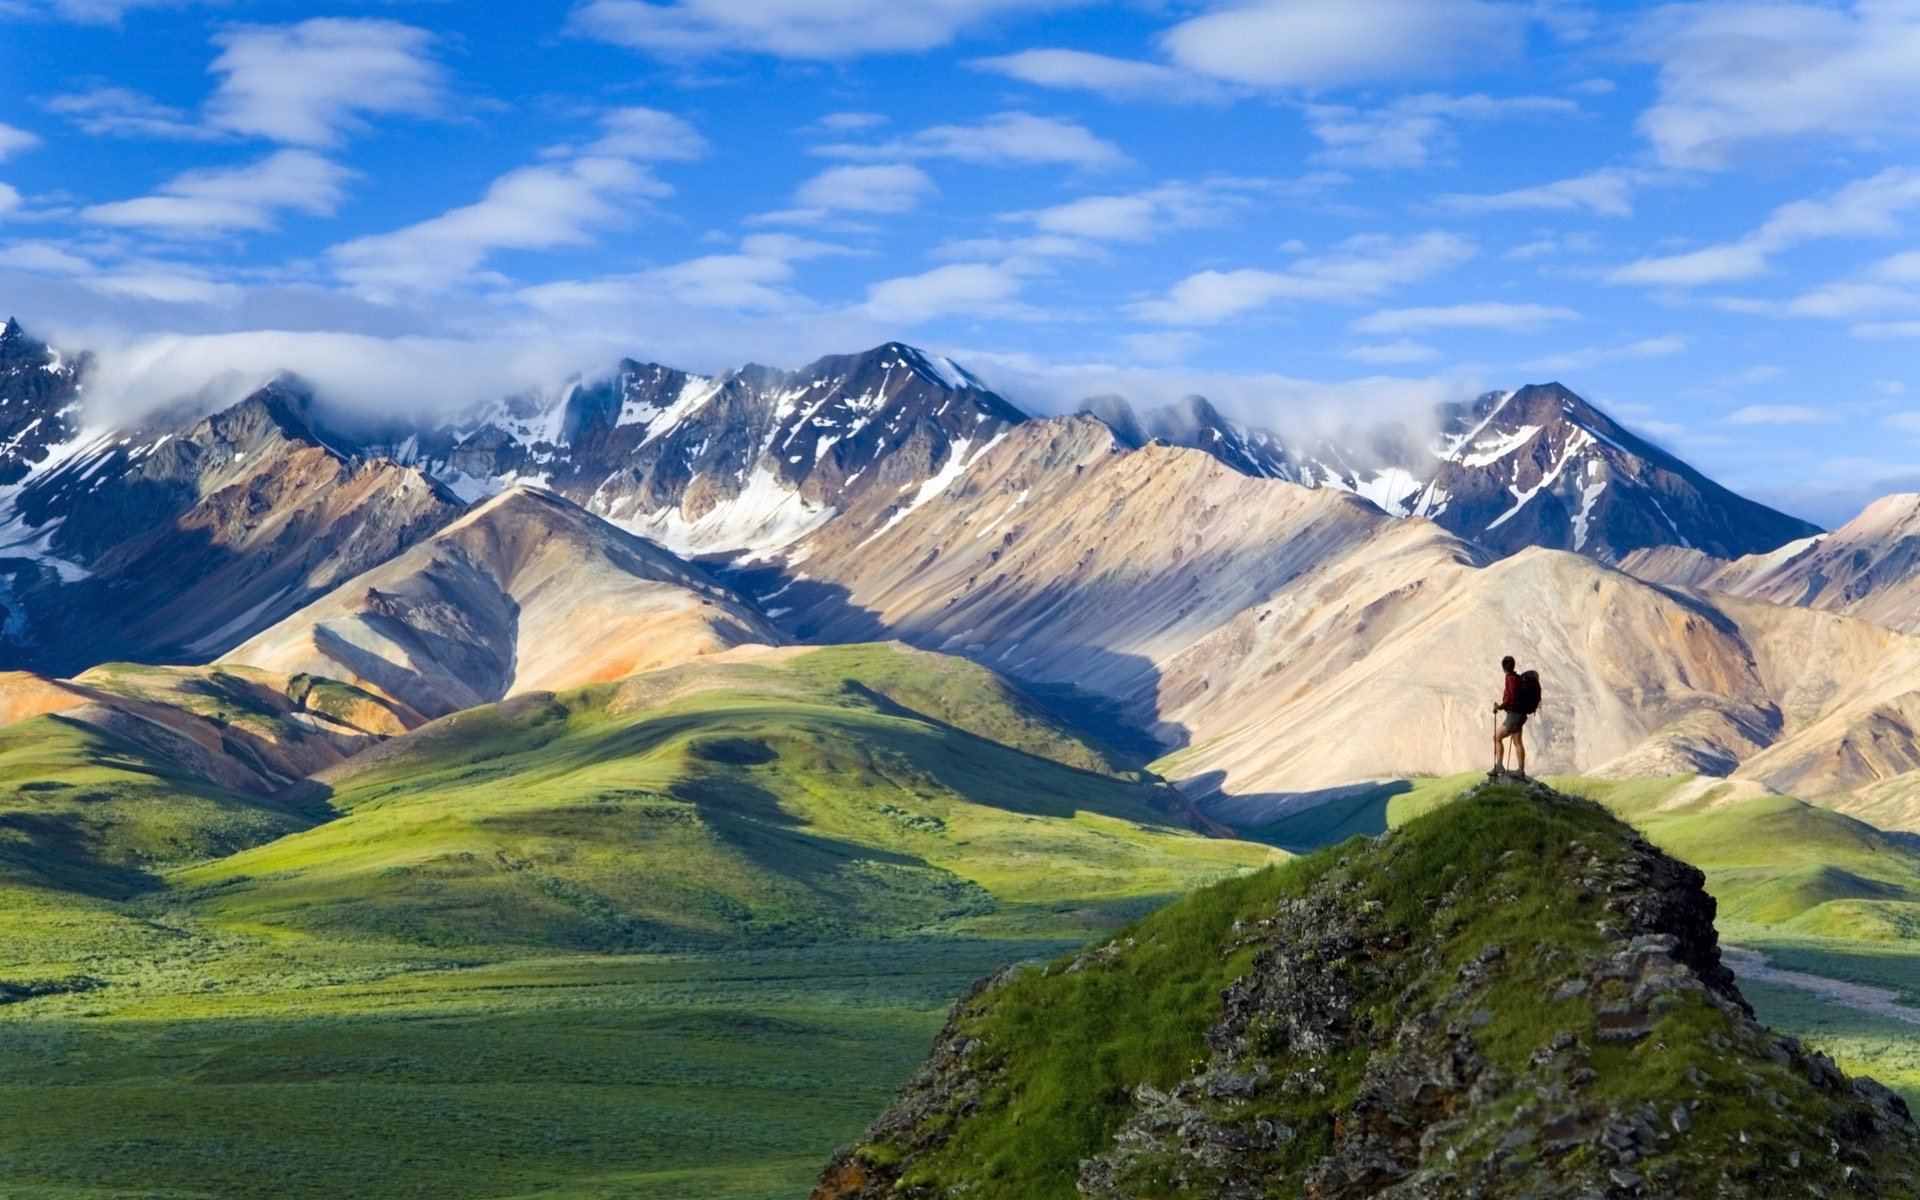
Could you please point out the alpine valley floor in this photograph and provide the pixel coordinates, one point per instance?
(677, 936)
(186, 1044)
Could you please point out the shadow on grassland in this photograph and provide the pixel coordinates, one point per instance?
(1362, 813)
(814, 612)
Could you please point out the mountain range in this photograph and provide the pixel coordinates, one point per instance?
(1225, 601)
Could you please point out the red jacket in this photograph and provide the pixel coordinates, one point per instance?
(1513, 685)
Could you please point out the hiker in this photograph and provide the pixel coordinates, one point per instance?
(1519, 700)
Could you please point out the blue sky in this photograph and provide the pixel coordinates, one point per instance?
(1701, 216)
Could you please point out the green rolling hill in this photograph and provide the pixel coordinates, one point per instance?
(832, 793)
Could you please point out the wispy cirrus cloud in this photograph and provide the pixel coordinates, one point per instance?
(1360, 269)
(1004, 139)
(109, 111)
(1481, 315)
(1865, 208)
(1780, 414)
(1607, 192)
(805, 29)
(13, 140)
(1738, 78)
(1114, 78)
(563, 202)
(1413, 130)
(211, 202)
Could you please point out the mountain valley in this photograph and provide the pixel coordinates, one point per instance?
(645, 762)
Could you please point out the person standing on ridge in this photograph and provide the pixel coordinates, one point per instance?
(1519, 699)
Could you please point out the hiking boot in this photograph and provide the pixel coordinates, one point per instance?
(1497, 771)
(1522, 776)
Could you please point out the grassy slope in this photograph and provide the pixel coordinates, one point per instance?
(1069, 1045)
(794, 802)
(363, 1009)
(85, 811)
(1817, 891)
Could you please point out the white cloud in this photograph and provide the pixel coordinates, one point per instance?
(1388, 353)
(1735, 77)
(223, 200)
(1002, 139)
(1287, 404)
(1361, 269)
(736, 282)
(123, 112)
(1865, 208)
(1605, 193)
(1579, 360)
(959, 289)
(882, 188)
(754, 280)
(1572, 243)
(532, 208)
(646, 135)
(42, 257)
(807, 29)
(1160, 345)
(1139, 216)
(308, 84)
(1315, 44)
(9, 198)
(1114, 78)
(1758, 373)
(13, 140)
(1901, 268)
(849, 122)
(1779, 414)
(560, 202)
(1408, 132)
(1482, 315)
(1887, 329)
(377, 374)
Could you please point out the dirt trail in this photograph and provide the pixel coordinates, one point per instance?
(1880, 1002)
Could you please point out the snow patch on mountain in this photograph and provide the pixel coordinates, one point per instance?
(764, 519)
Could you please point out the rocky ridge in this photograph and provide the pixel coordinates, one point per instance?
(1515, 996)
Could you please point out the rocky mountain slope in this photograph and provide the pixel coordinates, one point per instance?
(1252, 625)
(174, 541)
(524, 592)
(1536, 467)
(1514, 996)
(39, 401)
(1869, 567)
(747, 461)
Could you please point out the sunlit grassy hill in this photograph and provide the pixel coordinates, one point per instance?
(826, 793)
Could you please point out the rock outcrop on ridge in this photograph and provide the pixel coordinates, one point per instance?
(1514, 996)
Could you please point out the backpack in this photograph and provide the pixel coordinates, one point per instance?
(1526, 697)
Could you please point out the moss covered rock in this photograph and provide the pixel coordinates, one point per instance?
(1515, 996)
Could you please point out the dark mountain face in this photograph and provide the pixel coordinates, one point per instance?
(1542, 467)
(173, 541)
(750, 459)
(1536, 467)
(39, 401)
